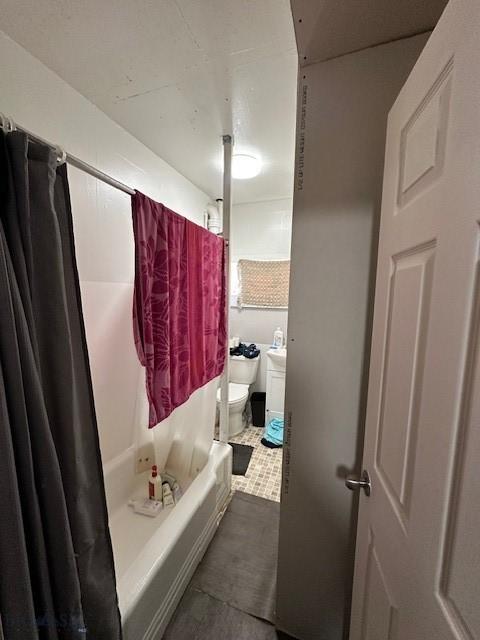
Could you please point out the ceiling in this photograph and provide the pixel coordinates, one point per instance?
(178, 74)
(329, 28)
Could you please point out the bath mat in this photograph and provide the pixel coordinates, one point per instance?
(241, 458)
(201, 617)
(240, 566)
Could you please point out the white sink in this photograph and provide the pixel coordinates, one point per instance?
(278, 357)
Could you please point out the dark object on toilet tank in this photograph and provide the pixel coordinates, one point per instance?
(249, 351)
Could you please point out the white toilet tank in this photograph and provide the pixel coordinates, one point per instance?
(243, 370)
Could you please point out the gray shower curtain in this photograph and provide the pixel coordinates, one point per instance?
(57, 577)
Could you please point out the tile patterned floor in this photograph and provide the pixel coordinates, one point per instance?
(264, 473)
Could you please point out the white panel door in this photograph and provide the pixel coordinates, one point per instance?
(417, 573)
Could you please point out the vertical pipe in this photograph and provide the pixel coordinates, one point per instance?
(227, 205)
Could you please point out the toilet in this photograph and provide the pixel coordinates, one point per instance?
(243, 373)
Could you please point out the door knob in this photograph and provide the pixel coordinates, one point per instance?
(354, 484)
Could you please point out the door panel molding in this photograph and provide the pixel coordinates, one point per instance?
(378, 623)
(461, 546)
(408, 304)
(423, 140)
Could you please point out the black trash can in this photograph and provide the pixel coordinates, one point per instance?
(257, 402)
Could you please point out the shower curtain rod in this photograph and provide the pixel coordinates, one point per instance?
(9, 125)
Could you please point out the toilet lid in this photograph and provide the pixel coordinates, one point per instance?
(235, 392)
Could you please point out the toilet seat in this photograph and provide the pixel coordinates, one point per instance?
(236, 393)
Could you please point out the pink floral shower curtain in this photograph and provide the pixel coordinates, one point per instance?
(179, 316)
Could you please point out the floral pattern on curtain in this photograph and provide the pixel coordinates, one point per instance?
(179, 307)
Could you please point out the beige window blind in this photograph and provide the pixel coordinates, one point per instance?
(263, 283)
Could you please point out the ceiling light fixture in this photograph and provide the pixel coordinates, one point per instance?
(244, 166)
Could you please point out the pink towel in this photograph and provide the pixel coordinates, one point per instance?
(179, 315)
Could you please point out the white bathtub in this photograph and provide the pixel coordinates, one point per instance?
(156, 557)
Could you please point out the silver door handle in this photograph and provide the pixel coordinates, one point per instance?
(354, 484)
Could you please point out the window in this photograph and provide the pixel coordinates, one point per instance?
(263, 283)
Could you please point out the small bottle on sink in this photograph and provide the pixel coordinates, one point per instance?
(278, 339)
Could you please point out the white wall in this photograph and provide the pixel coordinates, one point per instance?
(339, 168)
(40, 101)
(259, 231)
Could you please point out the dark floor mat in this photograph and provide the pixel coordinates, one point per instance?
(242, 454)
(240, 566)
(201, 617)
